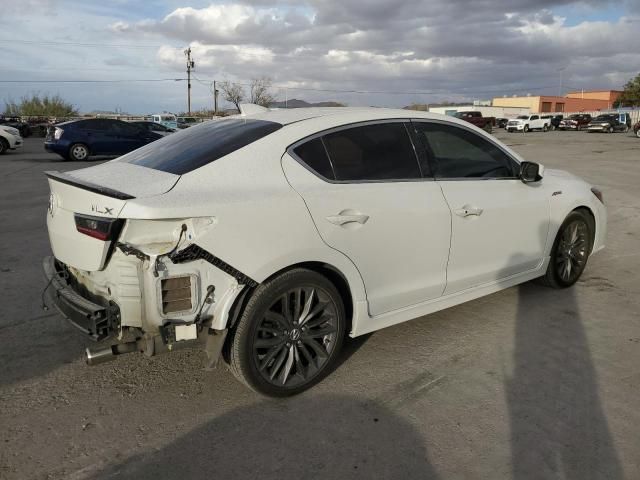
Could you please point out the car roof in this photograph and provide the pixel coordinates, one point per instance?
(336, 114)
(68, 122)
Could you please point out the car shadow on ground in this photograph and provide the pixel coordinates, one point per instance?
(558, 426)
(327, 436)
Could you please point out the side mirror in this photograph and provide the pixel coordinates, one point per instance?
(530, 172)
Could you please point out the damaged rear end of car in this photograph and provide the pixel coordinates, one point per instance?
(127, 268)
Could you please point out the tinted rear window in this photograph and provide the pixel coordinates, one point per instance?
(314, 155)
(372, 152)
(189, 149)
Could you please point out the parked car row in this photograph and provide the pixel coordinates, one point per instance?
(606, 122)
(77, 140)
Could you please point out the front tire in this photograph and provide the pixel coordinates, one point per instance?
(289, 335)
(78, 152)
(4, 146)
(570, 251)
(526, 128)
(638, 133)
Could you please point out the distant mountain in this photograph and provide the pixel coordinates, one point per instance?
(295, 103)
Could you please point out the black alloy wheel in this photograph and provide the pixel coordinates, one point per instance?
(570, 251)
(289, 334)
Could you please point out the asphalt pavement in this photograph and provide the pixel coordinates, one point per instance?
(528, 383)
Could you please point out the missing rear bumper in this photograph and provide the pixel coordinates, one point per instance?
(94, 320)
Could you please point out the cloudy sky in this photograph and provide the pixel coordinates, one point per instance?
(361, 52)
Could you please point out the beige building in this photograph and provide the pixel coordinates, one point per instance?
(572, 102)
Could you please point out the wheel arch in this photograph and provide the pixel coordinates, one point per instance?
(333, 274)
(592, 222)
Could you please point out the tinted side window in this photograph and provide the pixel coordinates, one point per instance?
(126, 128)
(94, 124)
(191, 148)
(315, 156)
(460, 153)
(535, 117)
(372, 152)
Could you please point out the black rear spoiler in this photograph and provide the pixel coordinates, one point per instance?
(91, 187)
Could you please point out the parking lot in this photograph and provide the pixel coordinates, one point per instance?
(527, 383)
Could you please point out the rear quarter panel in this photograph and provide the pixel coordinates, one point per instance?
(261, 225)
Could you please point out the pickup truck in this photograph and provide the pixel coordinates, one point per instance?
(577, 121)
(476, 118)
(524, 123)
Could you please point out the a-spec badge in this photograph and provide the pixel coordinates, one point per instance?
(106, 211)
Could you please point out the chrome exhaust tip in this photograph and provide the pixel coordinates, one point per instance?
(95, 357)
(102, 355)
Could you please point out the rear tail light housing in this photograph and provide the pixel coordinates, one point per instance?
(598, 193)
(105, 229)
(176, 294)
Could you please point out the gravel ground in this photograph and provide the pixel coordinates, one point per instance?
(528, 383)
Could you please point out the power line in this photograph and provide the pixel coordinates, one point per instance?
(78, 44)
(394, 92)
(97, 81)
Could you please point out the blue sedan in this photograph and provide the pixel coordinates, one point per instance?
(77, 140)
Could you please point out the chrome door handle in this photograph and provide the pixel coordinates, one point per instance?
(468, 210)
(344, 219)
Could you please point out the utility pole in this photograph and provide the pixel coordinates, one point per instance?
(215, 98)
(560, 86)
(190, 65)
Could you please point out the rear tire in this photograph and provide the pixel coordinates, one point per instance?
(4, 146)
(488, 128)
(289, 334)
(638, 133)
(78, 152)
(544, 127)
(570, 251)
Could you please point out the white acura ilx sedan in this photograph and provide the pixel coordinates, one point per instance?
(269, 236)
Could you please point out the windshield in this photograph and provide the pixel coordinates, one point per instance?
(194, 147)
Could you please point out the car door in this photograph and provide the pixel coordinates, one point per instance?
(369, 199)
(130, 137)
(535, 122)
(97, 135)
(499, 224)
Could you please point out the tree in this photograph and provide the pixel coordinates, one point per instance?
(631, 94)
(36, 105)
(232, 92)
(260, 94)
